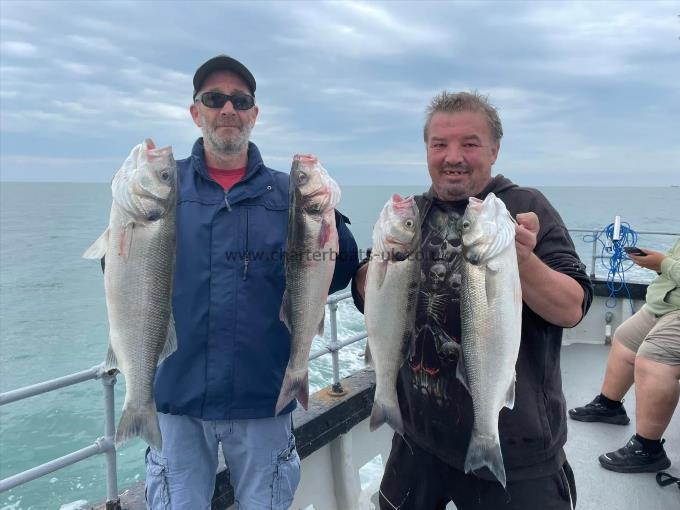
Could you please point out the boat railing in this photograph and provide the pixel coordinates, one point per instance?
(102, 445)
(105, 445)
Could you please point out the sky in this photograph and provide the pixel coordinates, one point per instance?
(588, 92)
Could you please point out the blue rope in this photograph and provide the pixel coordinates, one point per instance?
(614, 259)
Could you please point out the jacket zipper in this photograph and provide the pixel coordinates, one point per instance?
(246, 258)
(226, 202)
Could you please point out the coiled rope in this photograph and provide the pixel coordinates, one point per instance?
(614, 259)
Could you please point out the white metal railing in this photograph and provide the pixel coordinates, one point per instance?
(102, 445)
(105, 445)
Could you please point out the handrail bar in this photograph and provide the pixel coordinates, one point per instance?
(646, 232)
(334, 298)
(95, 372)
(328, 349)
(101, 445)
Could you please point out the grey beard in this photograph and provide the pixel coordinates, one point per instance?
(228, 146)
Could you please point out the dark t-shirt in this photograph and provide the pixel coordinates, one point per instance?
(435, 406)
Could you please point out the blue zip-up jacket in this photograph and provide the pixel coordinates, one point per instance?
(229, 281)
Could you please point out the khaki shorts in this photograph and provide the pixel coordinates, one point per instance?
(652, 337)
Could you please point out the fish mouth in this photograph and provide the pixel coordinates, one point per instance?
(394, 240)
(401, 251)
(320, 191)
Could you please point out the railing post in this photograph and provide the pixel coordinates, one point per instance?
(336, 389)
(112, 499)
(593, 262)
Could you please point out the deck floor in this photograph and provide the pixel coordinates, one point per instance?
(582, 372)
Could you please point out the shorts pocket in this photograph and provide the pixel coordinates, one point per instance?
(567, 484)
(286, 475)
(156, 490)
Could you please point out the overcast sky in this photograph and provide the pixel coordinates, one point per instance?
(588, 92)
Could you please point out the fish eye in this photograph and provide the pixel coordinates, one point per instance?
(302, 178)
(409, 223)
(466, 224)
(165, 175)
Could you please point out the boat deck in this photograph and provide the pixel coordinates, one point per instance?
(597, 489)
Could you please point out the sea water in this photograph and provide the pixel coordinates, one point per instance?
(53, 317)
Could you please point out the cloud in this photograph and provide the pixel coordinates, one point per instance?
(89, 44)
(8, 24)
(76, 67)
(18, 49)
(156, 111)
(75, 108)
(358, 30)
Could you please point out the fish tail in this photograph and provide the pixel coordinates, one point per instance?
(142, 422)
(295, 386)
(485, 451)
(386, 412)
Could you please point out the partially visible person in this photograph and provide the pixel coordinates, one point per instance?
(221, 385)
(425, 469)
(645, 350)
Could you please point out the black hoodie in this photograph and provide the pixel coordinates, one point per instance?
(436, 408)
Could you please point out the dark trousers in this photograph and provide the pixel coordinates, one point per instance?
(417, 480)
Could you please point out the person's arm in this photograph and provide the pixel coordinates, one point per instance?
(348, 255)
(359, 286)
(552, 295)
(660, 263)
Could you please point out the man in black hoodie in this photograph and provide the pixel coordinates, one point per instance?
(425, 468)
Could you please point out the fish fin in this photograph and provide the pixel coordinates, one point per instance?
(98, 249)
(461, 372)
(319, 330)
(139, 422)
(170, 345)
(389, 413)
(126, 240)
(367, 355)
(324, 233)
(510, 395)
(282, 312)
(485, 451)
(111, 360)
(295, 386)
(493, 265)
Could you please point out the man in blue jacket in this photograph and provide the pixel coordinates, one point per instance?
(222, 383)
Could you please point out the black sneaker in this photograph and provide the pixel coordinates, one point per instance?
(632, 458)
(597, 411)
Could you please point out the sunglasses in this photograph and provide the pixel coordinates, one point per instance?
(218, 100)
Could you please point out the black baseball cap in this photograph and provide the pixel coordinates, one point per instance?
(223, 63)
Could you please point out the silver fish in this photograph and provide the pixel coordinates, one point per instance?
(392, 285)
(311, 250)
(491, 313)
(139, 246)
